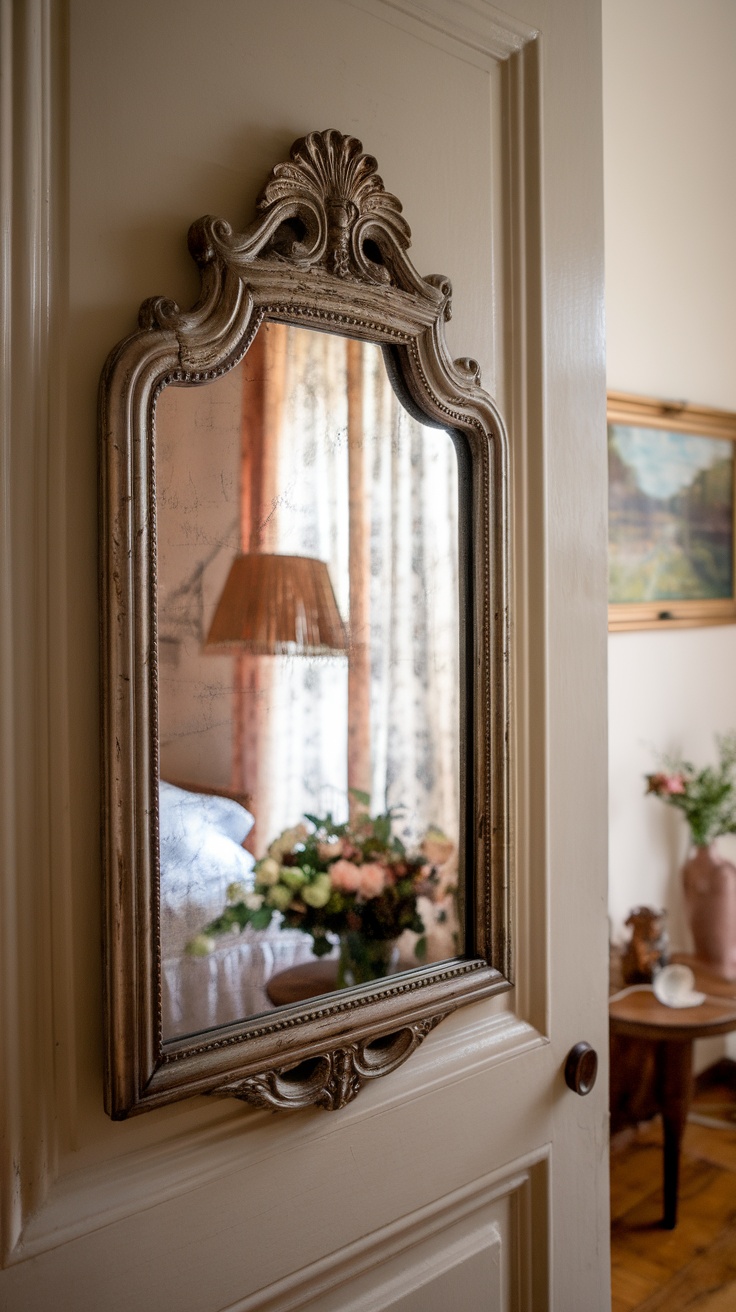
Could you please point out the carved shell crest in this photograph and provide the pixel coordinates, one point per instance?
(334, 173)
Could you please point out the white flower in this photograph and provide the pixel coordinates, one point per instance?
(437, 847)
(267, 872)
(201, 945)
(287, 841)
(318, 893)
(279, 897)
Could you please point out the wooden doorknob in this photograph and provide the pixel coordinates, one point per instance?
(581, 1068)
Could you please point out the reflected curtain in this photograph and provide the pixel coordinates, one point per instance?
(263, 399)
(295, 751)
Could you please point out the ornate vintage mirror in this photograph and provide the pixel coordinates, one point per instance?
(304, 655)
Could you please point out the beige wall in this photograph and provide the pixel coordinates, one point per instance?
(670, 197)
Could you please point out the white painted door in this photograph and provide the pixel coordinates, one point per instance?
(472, 1178)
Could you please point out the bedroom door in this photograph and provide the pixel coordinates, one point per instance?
(472, 1177)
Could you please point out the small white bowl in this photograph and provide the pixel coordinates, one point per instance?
(673, 986)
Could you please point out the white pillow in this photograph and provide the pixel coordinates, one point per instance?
(222, 813)
(200, 854)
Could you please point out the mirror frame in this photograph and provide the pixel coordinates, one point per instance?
(327, 250)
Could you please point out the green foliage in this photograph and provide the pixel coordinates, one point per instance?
(707, 797)
(320, 944)
(420, 948)
(261, 919)
(362, 798)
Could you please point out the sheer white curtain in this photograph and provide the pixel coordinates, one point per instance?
(412, 512)
(414, 609)
(307, 719)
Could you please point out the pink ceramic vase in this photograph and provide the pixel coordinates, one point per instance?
(710, 902)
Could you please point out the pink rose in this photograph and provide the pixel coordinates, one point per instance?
(675, 783)
(372, 879)
(345, 876)
(666, 785)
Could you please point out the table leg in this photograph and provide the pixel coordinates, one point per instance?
(676, 1092)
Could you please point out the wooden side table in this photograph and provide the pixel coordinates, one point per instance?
(310, 979)
(664, 1045)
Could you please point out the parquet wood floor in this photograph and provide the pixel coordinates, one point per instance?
(693, 1267)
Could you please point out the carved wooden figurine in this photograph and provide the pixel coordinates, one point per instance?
(647, 950)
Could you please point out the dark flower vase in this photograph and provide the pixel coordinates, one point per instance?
(364, 959)
(709, 882)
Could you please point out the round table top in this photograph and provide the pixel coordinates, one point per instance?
(298, 983)
(707, 979)
(640, 1015)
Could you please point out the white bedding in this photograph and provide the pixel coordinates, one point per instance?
(200, 840)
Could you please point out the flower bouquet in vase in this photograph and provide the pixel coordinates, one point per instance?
(707, 799)
(354, 881)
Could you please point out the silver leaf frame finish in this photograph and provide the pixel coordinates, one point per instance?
(326, 250)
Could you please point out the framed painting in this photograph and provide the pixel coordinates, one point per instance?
(671, 502)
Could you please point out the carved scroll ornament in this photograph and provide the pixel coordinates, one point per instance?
(334, 1078)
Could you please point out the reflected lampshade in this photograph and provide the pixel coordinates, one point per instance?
(277, 605)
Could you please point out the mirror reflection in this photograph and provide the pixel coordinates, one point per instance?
(309, 682)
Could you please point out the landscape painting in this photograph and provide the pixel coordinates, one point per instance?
(671, 505)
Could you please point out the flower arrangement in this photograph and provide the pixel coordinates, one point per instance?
(706, 797)
(355, 880)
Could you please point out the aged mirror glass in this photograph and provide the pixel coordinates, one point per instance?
(297, 491)
(304, 651)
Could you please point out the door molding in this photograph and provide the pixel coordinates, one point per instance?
(40, 1045)
(402, 1241)
(35, 885)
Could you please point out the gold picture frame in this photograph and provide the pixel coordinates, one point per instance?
(672, 514)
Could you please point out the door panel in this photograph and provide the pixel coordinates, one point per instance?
(471, 1176)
